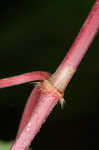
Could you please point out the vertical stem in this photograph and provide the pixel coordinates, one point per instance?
(44, 105)
(30, 105)
(50, 94)
(77, 51)
(84, 39)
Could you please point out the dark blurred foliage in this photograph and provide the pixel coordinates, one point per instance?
(35, 35)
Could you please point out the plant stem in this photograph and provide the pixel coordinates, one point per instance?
(19, 79)
(49, 91)
(44, 105)
(30, 105)
(67, 68)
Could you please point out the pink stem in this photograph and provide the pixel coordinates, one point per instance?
(44, 105)
(49, 94)
(28, 109)
(19, 79)
(68, 67)
(84, 39)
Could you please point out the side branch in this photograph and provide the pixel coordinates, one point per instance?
(24, 78)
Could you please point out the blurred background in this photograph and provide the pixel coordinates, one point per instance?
(35, 35)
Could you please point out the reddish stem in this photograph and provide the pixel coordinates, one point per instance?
(67, 68)
(49, 91)
(28, 109)
(44, 105)
(83, 40)
(19, 79)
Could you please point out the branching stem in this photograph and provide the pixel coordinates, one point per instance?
(47, 93)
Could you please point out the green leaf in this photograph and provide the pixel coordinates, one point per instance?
(6, 145)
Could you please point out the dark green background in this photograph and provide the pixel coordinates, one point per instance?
(35, 35)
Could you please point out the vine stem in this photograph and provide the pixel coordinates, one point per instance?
(24, 78)
(47, 93)
(67, 68)
(45, 98)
